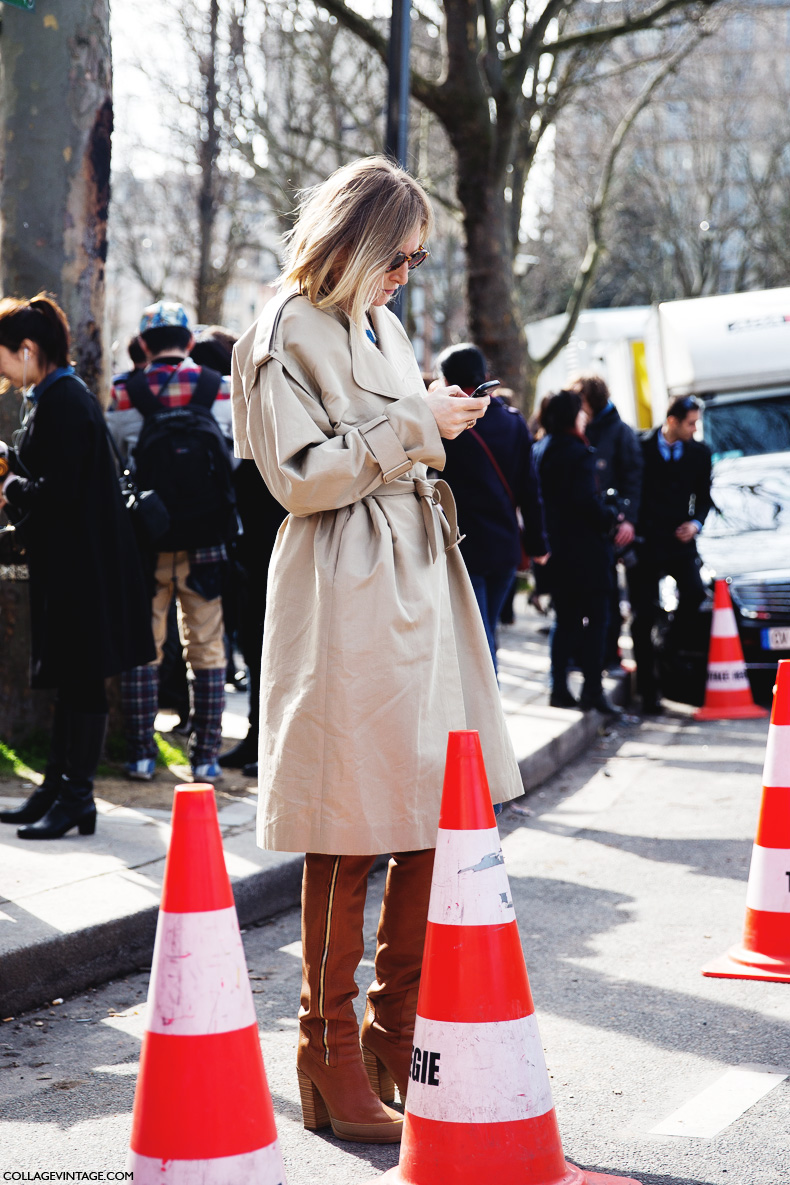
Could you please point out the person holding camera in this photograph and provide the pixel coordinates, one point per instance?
(580, 526)
(374, 647)
(88, 602)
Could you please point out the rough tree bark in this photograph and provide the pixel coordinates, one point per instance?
(209, 288)
(56, 105)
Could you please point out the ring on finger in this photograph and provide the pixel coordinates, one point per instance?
(470, 424)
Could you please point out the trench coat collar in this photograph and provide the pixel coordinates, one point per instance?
(380, 367)
(376, 368)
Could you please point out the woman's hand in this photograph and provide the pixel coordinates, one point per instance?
(454, 411)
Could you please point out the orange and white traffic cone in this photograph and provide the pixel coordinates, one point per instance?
(479, 1104)
(765, 950)
(202, 1109)
(728, 695)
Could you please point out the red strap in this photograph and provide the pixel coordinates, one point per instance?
(473, 432)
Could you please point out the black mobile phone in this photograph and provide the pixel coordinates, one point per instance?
(484, 388)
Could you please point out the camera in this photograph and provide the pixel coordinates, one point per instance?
(625, 555)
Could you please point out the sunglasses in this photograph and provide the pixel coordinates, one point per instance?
(414, 260)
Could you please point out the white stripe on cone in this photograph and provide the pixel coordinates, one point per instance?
(724, 624)
(769, 880)
(777, 756)
(199, 981)
(493, 1072)
(470, 885)
(727, 676)
(263, 1167)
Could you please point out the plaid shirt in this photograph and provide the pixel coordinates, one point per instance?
(178, 391)
(125, 421)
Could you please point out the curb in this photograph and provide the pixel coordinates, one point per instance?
(546, 761)
(64, 964)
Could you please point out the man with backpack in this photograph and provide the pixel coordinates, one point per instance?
(170, 424)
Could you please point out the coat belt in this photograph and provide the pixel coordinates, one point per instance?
(441, 529)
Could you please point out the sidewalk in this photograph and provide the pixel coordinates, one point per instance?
(78, 911)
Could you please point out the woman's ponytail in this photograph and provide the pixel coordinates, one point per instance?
(40, 320)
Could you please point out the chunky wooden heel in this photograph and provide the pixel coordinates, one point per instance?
(314, 1112)
(381, 1081)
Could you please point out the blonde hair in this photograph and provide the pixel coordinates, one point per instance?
(349, 229)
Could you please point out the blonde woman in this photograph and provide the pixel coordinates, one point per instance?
(373, 646)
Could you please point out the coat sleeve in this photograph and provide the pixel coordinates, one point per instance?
(630, 468)
(529, 498)
(703, 500)
(308, 465)
(65, 444)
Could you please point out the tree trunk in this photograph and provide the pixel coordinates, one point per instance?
(57, 114)
(209, 291)
(495, 325)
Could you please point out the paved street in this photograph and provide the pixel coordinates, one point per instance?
(628, 872)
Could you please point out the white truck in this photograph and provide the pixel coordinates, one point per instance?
(729, 350)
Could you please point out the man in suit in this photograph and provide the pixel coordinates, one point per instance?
(675, 503)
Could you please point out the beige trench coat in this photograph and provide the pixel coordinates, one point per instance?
(373, 646)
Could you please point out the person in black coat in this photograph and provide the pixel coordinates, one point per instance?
(579, 572)
(261, 517)
(675, 503)
(90, 614)
(492, 475)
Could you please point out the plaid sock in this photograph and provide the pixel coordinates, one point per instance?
(139, 695)
(208, 698)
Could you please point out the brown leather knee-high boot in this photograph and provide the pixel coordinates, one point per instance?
(388, 1025)
(333, 1084)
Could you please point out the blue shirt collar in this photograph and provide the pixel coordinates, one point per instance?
(670, 452)
(47, 382)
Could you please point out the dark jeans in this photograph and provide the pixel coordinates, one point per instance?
(670, 558)
(491, 589)
(571, 638)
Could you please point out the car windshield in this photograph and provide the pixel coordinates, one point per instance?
(749, 428)
(749, 500)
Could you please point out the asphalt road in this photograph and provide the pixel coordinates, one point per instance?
(628, 876)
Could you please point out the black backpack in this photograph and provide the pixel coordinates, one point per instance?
(182, 455)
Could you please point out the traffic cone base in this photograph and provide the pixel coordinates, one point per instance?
(249, 1169)
(730, 712)
(739, 963)
(571, 1175)
(728, 695)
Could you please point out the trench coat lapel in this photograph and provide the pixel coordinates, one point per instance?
(381, 368)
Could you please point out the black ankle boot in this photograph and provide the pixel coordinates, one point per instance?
(43, 797)
(241, 754)
(73, 808)
(37, 804)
